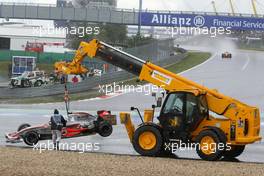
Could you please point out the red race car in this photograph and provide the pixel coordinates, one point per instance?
(79, 124)
(226, 55)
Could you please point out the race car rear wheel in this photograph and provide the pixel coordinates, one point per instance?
(23, 126)
(31, 138)
(105, 129)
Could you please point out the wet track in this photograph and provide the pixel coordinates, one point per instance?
(240, 78)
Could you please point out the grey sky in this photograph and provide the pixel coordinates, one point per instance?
(241, 6)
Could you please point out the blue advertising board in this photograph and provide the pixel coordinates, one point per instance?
(192, 20)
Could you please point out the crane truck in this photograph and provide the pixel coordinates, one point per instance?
(186, 113)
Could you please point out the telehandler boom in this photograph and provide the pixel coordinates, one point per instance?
(185, 115)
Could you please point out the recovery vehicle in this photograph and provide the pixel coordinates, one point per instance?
(190, 113)
(29, 79)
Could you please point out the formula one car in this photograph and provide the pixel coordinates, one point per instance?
(226, 55)
(79, 124)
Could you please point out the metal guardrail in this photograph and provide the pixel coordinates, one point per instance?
(93, 14)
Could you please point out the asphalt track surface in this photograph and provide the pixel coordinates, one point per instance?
(241, 77)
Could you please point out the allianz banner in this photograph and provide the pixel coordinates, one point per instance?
(192, 20)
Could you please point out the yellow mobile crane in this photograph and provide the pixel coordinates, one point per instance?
(184, 114)
(75, 66)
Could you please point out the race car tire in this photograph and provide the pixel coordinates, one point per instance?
(23, 126)
(31, 138)
(105, 129)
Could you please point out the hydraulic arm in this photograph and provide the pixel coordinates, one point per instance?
(75, 66)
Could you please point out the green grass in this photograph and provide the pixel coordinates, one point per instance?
(4, 69)
(193, 59)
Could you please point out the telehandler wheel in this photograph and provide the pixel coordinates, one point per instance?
(235, 151)
(208, 148)
(147, 140)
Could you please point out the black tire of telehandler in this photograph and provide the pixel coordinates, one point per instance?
(155, 151)
(217, 154)
(235, 151)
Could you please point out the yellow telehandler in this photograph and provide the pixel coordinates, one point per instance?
(186, 113)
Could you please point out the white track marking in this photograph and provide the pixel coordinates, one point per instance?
(246, 64)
